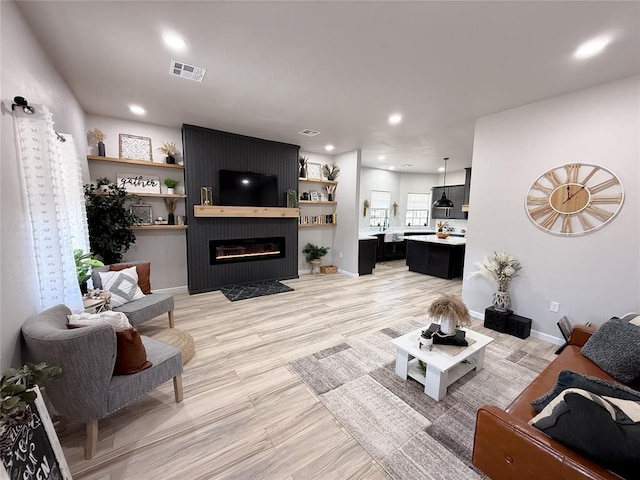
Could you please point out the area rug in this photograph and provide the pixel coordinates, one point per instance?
(252, 290)
(408, 433)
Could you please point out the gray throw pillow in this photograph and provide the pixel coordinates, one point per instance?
(599, 386)
(615, 348)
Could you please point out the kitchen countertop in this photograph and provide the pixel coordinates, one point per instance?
(434, 239)
(367, 236)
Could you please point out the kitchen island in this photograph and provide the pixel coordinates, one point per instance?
(435, 256)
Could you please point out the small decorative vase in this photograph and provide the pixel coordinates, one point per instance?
(171, 160)
(501, 301)
(330, 197)
(315, 266)
(171, 219)
(427, 342)
(101, 149)
(303, 172)
(331, 178)
(447, 326)
(171, 191)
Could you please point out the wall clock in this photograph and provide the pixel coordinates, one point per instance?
(574, 199)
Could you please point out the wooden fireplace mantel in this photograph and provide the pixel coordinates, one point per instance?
(221, 211)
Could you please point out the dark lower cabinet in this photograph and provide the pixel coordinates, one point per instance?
(435, 259)
(394, 250)
(366, 256)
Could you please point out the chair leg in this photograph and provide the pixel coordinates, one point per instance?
(92, 439)
(177, 388)
(171, 323)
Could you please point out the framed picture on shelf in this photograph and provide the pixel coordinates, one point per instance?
(135, 147)
(143, 214)
(314, 170)
(313, 196)
(136, 183)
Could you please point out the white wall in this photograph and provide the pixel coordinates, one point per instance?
(165, 249)
(593, 276)
(26, 72)
(346, 237)
(413, 183)
(382, 180)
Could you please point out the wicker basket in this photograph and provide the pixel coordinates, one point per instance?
(328, 269)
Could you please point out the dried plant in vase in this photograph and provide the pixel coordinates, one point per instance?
(330, 190)
(169, 149)
(170, 203)
(303, 166)
(331, 172)
(100, 137)
(451, 311)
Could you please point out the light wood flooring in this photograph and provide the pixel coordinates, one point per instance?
(245, 415)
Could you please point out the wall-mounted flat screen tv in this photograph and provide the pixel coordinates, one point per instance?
(248, 189)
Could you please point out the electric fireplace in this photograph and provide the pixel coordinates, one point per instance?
(245, 250)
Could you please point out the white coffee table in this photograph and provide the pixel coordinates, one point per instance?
(442, 369)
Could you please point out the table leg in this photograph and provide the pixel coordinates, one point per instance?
(402, 363)
(480, 360)
(435, 384)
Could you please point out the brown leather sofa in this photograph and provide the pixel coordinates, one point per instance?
(506, 447)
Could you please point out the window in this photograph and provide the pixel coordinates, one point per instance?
(418, 205)
(379, 209)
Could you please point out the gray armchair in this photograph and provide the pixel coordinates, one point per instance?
(145, 309)
(88, 390)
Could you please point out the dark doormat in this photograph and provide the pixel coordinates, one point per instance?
(251, 290)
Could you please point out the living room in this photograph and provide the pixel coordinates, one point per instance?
(592, 277)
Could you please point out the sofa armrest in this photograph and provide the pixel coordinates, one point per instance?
(580, 334)
(505, 448)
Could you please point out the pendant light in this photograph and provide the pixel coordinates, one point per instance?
(443, 201)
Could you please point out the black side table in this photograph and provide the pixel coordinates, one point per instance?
(495, 320)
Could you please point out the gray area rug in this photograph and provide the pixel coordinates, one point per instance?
(411, 435)
(252, 290)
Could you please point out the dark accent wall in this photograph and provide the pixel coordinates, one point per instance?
(205, 152)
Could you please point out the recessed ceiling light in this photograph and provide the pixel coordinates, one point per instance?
(174, 41)
(137, 109)
(329, 148)
(392, 168)
(382, 157)
(592, 47)
(441, 169)
(395, 119)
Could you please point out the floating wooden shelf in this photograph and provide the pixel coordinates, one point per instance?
(220, 211)
(306, 225)
(159, 227)
(159, 195)
(131, 161)
(319, 202)
(318, 180)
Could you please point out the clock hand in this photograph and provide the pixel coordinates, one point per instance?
(568, 193)
(574, 194)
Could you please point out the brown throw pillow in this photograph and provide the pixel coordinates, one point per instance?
(144, 272)
(132, 356)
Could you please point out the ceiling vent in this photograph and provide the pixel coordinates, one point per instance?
(190, 72)
(308, 132)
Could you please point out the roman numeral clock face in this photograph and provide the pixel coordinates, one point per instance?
(574, 199)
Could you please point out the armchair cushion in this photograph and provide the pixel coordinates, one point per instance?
(123, 286)
(148, 307)
(614, 348)
(143, 269)
(131, 356)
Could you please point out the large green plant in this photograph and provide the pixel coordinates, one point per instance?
(109, 220)
(84, 263)
(314, 252)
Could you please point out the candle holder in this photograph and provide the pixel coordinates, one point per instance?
(206, 196)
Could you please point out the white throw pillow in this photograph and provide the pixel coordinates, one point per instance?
(123, 286)
(116, 319)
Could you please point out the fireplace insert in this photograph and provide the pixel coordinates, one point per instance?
(245, 250)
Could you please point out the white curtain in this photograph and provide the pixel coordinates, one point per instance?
(52, 189)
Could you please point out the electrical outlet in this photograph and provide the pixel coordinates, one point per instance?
(340, 255)
(554, 306)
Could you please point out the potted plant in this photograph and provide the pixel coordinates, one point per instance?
(109, 220)
(452, 313)
(84, 263)
(426, 339)
(100, 137)
(171, 185)
(314, 255)
(16, 392)
(169, 149)
(331, 172)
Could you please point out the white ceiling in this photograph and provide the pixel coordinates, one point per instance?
(275, 68)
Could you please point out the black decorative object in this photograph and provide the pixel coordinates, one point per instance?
(22, 102)
(303, 167)
(101, 152)
(330, 196)
(171, 219)
(171, 160)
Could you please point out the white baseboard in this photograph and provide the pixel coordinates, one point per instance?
(534, 333)
(348, 274)
(172, 290)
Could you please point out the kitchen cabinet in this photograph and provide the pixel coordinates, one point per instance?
(443, 259)
(366, 255)
(455, 193)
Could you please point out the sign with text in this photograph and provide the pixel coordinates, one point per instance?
(134, 183)
(31, 450)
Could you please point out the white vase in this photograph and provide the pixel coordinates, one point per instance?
(447, 326)
(501, 301)
(426, 342)
(171, 191)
